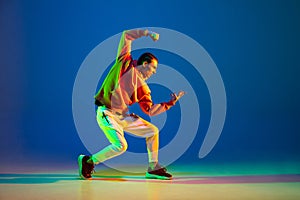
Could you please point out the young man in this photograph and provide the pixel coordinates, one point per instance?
(125, 85)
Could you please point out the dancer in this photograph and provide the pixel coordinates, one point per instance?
(125, 85)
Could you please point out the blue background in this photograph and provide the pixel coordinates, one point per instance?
(255, 45)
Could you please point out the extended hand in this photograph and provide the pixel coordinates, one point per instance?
(175, 97)
(154, 36)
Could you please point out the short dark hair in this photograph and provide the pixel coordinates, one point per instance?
(148, 57)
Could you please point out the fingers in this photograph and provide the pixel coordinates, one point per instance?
(175, 97)
(180, 94)
(154, 36)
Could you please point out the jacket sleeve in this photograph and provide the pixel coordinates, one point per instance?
(128, 36)
(152, 109)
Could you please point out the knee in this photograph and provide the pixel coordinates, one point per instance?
(121, 147)
(155, 130)
(153, 133)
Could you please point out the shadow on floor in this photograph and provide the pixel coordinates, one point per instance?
(279, 178)
(52, 178)
(35, 178)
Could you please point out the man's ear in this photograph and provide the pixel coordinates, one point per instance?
(145, 63)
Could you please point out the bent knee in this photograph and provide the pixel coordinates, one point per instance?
(121, 147)
(154, 130)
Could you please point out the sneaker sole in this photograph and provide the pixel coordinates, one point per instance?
(80, 157)
(153, 176)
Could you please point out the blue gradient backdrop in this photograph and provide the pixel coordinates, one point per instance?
(255, 45)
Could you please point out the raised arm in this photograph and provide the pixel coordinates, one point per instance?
(128, 36)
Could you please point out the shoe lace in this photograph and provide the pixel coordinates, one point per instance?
(159, 167)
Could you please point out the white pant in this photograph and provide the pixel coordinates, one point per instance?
(114, 125)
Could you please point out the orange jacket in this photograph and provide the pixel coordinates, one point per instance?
(124, 86)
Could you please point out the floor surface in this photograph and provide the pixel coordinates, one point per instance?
(241, 181)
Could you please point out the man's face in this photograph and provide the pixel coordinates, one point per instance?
(148, 69)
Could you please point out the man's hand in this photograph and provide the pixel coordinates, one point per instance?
(154, 36)
(175, 97)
